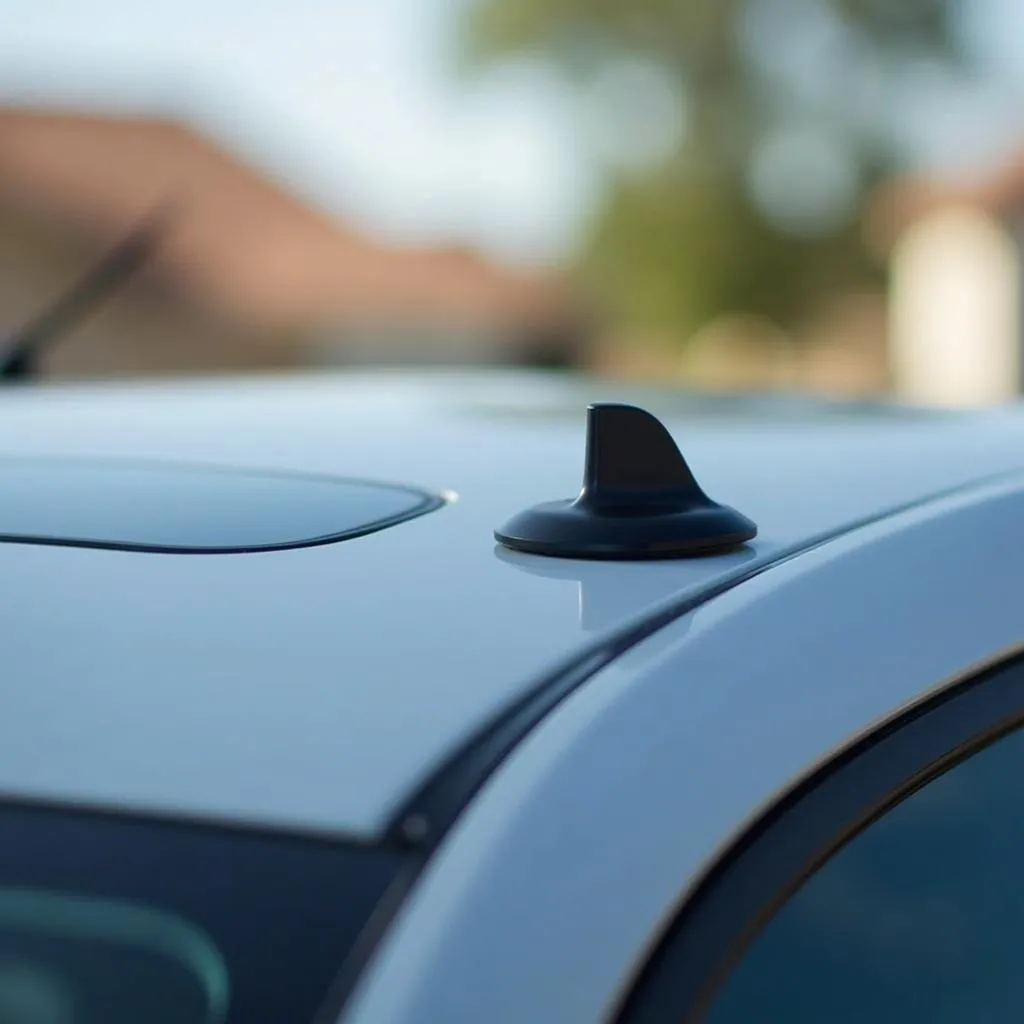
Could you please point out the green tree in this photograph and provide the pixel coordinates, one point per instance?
(793, 111)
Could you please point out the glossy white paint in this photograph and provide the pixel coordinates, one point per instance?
(315, 688)
(546, 897)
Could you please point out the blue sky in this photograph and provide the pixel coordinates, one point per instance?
(356, 103)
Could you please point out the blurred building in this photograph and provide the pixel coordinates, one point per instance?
(249, 276)
(956, 285)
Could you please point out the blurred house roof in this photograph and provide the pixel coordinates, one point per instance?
(241, 245)
(904, 199)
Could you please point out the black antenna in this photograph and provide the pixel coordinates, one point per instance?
(638, 500)
(19, 354)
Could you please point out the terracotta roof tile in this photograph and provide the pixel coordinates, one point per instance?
(242, 245)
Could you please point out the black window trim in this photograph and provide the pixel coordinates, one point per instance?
(724, 911)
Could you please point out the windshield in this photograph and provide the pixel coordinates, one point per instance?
(121, 921)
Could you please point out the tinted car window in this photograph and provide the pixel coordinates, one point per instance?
(920, 918)
(66, 959)
(182, 508)
(105, 918)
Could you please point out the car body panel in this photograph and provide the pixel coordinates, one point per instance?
(315, 688)
(545, 899)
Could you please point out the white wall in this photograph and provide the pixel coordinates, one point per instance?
(955, 311)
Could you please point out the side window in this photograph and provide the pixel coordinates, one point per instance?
(887, 887)
(920, 918)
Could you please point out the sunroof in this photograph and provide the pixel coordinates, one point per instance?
(192, 509)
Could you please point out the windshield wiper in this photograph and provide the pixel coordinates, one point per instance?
(20, 352)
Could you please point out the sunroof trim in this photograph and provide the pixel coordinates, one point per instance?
(173, 485)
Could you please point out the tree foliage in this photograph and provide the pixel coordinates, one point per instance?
(687, 238)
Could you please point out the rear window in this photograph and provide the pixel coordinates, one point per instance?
(118, 920)
(66, 958)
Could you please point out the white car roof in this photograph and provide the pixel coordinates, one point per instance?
(316, 688)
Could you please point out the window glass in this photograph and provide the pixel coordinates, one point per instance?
(66, 959)
(191, 508)
(107, 919)
(920, 918)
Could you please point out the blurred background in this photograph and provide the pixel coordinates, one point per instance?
(808, 195)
